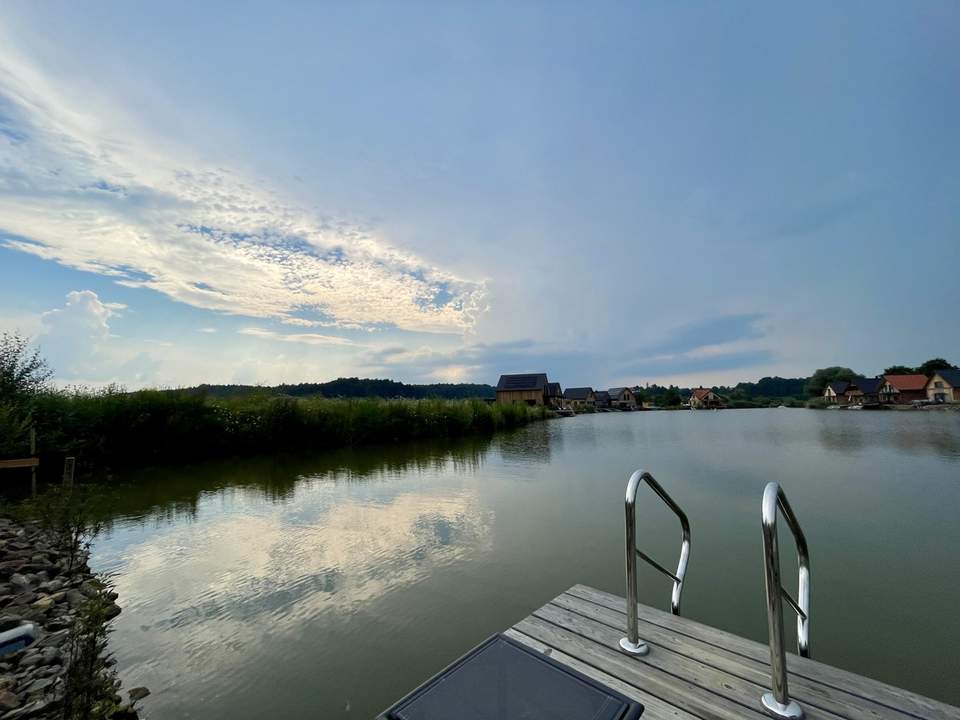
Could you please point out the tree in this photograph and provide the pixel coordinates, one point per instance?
(822, 377)
(934, 364)
(671, 398)
(23, 372)
(899, 370)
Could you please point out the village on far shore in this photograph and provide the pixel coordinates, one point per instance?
(889, 391)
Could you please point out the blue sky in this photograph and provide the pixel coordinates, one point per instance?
(612, 193)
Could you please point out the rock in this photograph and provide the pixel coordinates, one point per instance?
(91, 588)
(61, 622)
(7, 682)
(53, 639)
(19, 580)
(138, 693)
(112, 611)
(40, 685)
(8, 701)
(33, 657)
(24, 598)
(33, 709)
(9, 622)
(50, 671)
(44, 603)
(51, 656)
(51, 586)
(75, 598)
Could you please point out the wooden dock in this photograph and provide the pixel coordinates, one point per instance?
(697, 671)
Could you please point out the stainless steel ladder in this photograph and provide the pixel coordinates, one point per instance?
(777, 703)
(632, 643)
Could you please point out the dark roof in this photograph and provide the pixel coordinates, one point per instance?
(533, 381)
(868, 386)
(577, 393)
(553, 390)
(907, 382)
(951, 376)
(839, 387)
(617, 392)
(601, 394)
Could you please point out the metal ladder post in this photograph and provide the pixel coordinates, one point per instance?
(632, 643)
(778, 703)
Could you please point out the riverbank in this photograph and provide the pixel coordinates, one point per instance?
(111, 428)
(59, 612)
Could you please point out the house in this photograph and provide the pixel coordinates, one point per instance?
(835, 393)
(703, 397)
(602, 398)
(903, 389)
(554, 395)
(530, 389)
(864, 391)
(579, 398)
(944, 386)
(623, 398)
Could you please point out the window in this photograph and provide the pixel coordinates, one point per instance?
(938, 384)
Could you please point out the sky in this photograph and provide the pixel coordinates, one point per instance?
(612, 193)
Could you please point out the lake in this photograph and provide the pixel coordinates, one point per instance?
(328, 586)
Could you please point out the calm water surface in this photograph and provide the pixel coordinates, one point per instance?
(328, 586)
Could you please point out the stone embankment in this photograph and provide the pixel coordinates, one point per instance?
(41, 592)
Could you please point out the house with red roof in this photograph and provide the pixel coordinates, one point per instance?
(903, 389)
(703, 398)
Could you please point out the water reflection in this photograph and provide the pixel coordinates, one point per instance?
(203, 596)
(327, 586)
(162, 495)
(918, 434)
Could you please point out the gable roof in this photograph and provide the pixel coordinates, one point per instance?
(577, 393)
(952, 377)
(700, 393)
(839, 387)
(618, 392)
(532, 381)
(907, 382)
(601, 395)
(868, 386)
(553, 390)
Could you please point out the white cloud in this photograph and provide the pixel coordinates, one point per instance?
(100, 199)
(305, 338)
(77, 342)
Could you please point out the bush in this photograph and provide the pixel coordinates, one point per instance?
(151, 426)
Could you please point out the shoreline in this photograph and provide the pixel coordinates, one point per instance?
(43, 593)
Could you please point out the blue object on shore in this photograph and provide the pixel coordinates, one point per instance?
(17, 638)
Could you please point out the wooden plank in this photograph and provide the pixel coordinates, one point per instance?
(875, 691)
(19, 463)
(672, 689)
(654, 707)
(806, 692)
(722, 684)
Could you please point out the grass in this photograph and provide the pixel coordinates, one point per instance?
(111, 427)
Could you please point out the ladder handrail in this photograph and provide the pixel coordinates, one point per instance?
(631, 643)
(778, 702)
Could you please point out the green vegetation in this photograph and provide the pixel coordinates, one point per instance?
(356, 388)
(120, 428)
(931, 366)
(824, 376)
(91, 688)
(114, 427)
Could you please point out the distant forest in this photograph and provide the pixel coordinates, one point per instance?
(768, 387)
(356, 388)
